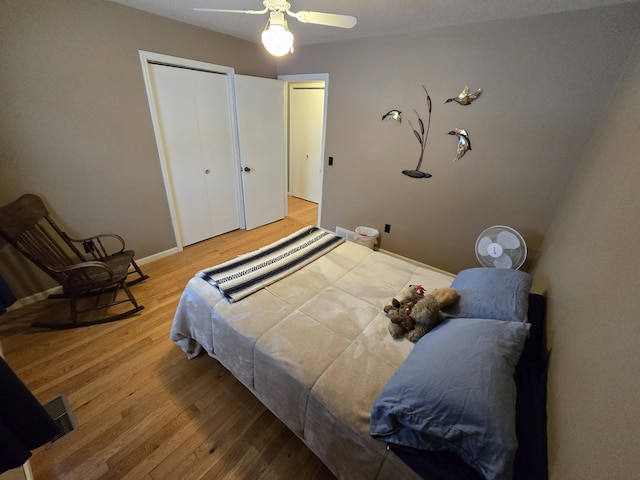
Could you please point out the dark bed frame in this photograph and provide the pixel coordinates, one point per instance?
(531, 461)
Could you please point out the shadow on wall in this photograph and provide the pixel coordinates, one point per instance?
(22, 277)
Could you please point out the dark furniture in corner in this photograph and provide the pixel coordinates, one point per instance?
(97, 266)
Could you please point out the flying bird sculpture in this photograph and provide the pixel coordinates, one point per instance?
(393, 115)
(464, 143)
(465, 98)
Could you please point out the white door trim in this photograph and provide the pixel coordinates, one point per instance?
(150, 57)
(311, 77)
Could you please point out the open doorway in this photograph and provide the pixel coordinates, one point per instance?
(306, 106)
(306, 119)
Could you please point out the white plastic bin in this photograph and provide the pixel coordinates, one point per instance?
(366, 236)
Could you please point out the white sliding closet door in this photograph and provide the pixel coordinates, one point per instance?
(261, 126)
(195, 120)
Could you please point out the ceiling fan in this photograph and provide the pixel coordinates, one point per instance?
(276, 37)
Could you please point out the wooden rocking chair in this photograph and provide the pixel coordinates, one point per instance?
(27, 226)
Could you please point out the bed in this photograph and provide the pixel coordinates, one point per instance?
(310, 341)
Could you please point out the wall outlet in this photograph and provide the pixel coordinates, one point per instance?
(387, 228)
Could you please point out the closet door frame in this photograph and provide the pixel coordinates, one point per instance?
(303, 78)
(147, 58)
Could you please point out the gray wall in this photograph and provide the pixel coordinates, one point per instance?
(76, 128)
(547, 81)
(590, 259)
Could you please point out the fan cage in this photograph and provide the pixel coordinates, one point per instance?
(492, 233)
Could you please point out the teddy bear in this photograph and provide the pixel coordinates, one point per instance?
(412, 293)
(399, 311)
(401, 317)
(415, 318)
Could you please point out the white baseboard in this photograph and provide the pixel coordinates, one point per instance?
(36, 297)
(20, 473)
(157, 256)
(28, 473)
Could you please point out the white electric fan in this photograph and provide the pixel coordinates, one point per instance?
(501, 247)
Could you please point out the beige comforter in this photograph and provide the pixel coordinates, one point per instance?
(314, 348)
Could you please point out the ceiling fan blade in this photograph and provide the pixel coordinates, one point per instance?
(328, 19)
(220, 10)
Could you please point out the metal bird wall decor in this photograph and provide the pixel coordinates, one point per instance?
(421, 134)
(465, 98)
(393, 115)
(464, 143)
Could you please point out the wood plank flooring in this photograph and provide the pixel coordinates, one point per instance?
(145, 411)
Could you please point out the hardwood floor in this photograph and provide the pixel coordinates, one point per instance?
(145, 411)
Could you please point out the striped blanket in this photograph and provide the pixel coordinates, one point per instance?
(246, 274)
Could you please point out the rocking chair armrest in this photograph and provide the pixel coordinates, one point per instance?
(97, 237)
(86, 265)
(93, 245)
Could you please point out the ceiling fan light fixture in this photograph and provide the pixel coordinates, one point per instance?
(276, 37)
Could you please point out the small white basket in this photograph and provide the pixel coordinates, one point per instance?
(366, 236)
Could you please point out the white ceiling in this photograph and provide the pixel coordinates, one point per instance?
(375, 17)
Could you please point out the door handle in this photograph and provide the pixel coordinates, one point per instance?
(207, 171)
(247, 169)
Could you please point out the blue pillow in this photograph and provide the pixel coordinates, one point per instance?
(497, 293)
(456, 392)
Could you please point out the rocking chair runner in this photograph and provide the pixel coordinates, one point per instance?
(26, 224)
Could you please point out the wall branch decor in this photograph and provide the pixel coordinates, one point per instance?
(421, 134)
